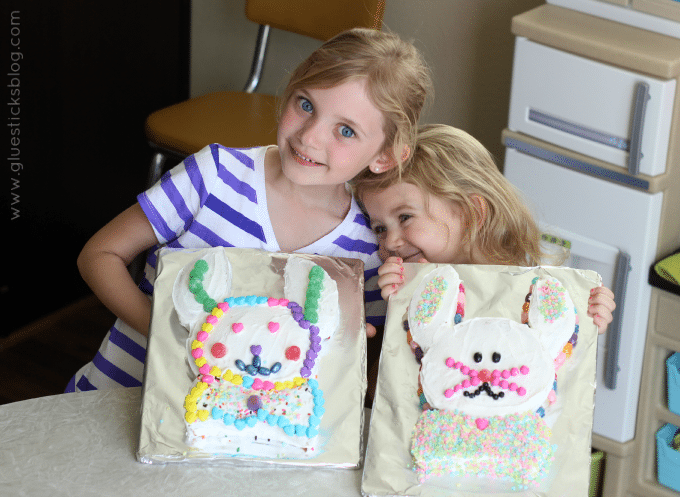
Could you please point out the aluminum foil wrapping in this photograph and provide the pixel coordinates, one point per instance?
(490, 291)
(341, 372)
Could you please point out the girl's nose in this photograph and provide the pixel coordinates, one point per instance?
(310, 133)
(393, 240)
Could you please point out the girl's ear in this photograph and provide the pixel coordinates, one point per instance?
(481, 209)
(386, 161)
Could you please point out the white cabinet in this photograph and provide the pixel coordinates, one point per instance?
(593, 141)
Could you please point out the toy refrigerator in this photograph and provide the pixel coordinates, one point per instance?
(593, 143)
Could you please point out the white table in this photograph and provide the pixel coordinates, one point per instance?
(84, 444)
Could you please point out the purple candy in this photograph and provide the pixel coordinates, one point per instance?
(315, 347)
(311, 354)
(304, 324)
(315, 339)
(313, 330)
(305, 372)
(256, 349)
(309, 363)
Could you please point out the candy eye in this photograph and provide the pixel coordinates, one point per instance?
(496, 357)
(218, 350)
(477, 357)
(293, 353)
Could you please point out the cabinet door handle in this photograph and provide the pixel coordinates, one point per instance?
(611, 366)
(639, 106)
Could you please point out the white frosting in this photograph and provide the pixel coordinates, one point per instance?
(442, 314)
(216, 281)
(517, 345)
(296, 280)
(554, 333)
(240, 328)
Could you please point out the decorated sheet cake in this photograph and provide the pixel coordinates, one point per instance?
(491, 370)
(248, 355)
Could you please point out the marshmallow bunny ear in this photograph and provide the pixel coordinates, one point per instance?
(438, 301)
(199, 284)
(301, 275)
(551, 313)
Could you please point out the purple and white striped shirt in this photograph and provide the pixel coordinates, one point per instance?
(217, 197)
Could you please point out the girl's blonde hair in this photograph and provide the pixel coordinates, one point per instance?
(398, 80)
(450, 164)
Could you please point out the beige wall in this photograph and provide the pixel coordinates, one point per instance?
(467, 43)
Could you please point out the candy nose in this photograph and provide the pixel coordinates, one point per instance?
(484, 375)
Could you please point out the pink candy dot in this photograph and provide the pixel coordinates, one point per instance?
(211, 319)
(514, 371)
(504, 384)
(224, 307)
(473, 372)
(196, 353)
(284, 302)
(464, 370)
(205, 369)
(449, 393)
(293, 353)
(466, 383)
(505, 374)
(267, 385)
(524, 370)
(513, 387)
(208, 378)
(257, 384)
(457, 365)
(456, 388)
(475, 381)
(272, 302)
(201, 336)
(450, 362)
(521, 391)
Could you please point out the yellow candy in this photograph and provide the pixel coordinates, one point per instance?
(279, 386)
(288, 384)
(217, 312)
(203, 414)
(237, 379)
(207, 327)
(298, 381)
(190, 417)
(201, 386)
(228, 375)
(215, 371)
(196, 345)
(190, 406)
(201, 361)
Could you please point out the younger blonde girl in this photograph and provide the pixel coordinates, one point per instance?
(450, 204)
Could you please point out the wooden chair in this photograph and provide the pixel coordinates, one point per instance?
(245, 118)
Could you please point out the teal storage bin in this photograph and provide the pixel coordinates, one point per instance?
(673, 368)
(667, 458)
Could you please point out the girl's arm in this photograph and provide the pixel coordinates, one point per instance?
(103, 265)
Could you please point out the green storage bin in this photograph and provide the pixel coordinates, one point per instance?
(596, 470)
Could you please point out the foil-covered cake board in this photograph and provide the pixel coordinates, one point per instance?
(170, 373)
(492, 292)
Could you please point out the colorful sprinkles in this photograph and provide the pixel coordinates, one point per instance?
(514, 448)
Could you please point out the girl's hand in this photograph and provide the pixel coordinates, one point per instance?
(600, 307)
(370, 330)
(391, 276)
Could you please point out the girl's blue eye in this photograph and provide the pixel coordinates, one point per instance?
(306, 105)
(347, 132)
(379, 230)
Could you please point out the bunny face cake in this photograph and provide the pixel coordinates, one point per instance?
(255, 359)
(485, 383)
